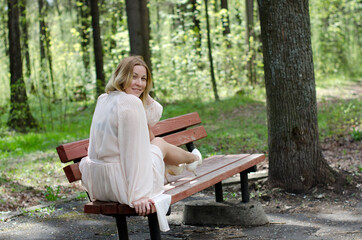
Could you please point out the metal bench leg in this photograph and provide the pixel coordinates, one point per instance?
(122, 227)
(244, 186)
(218, 192)
(154, 227)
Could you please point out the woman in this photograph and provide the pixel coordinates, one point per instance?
(125, 162)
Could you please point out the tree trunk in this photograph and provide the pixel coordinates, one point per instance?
(138, 29)
(250, 35)
(296, 162)
(20, 117)
(25, 38)
(213, 81)
(225, 19)
(45, 53)
(196, 27)
(97, 45)
(5, 34)
(83, 10)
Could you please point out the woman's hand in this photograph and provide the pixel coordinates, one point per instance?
(143, 206)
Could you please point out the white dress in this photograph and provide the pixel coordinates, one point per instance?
(122, 165)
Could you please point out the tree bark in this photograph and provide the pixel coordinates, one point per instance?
(20, 117)
(296, 162)
(138, 29)
(213, 81)
(97, 45)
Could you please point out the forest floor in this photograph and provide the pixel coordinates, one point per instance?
(324, 212)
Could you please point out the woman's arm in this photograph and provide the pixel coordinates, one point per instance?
(152, 136)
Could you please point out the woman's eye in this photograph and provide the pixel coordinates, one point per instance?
(144, 79)
(134, 76)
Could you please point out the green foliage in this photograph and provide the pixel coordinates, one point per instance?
(339, 117)
(335, 37)
(52, 194)
(356, 134)
(39, 212)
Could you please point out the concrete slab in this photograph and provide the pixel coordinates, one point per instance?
(233, 213)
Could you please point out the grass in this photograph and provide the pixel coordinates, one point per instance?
(237, 124)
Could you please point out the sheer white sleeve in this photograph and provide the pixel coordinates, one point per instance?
(153, 112)
(134, 146)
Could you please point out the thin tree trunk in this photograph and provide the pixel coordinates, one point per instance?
(24, 31)
(196, 26)
(4, 33)
(97, 45)
(20, 117)
(213, 81)
(45, 53)
(138, 29)
(84, 14)
(296, 162)
(250, 36)
(225, 20)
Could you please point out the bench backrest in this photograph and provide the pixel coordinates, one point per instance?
(173, 130)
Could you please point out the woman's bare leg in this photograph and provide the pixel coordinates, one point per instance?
(173, 155)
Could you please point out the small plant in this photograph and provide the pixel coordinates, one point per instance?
(52, 194)
(81, 195)
(356, 134)
(39, 212)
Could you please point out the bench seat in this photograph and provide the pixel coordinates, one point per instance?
(212, 171)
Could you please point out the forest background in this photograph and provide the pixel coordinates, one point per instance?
(61, 88)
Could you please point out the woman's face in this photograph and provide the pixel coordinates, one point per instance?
(139, 81)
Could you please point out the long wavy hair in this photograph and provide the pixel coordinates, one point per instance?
(122, 76)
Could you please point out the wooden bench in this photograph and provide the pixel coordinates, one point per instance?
(177, 131)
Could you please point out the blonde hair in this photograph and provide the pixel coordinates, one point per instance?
(122, 76)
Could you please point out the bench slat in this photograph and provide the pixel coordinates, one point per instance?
(73, 151)
(187, 136)
(210, 164)
(197, 184)
(176, 123)
(72, 172)
(111, 208)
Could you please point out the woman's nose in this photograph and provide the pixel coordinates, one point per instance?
(138, 81)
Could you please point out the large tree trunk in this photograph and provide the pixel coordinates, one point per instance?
(20, 117)
(296, 162)
(97, 45)
(138, 29)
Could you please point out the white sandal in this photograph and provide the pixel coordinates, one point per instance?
(192, 166)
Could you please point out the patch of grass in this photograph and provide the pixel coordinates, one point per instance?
(39, 212)
(339, 117)
(234, 125)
